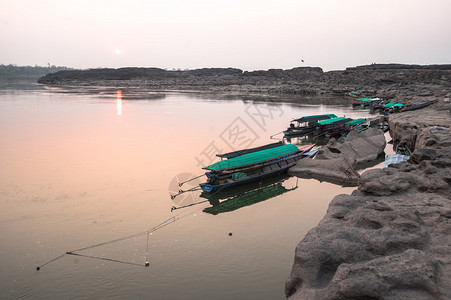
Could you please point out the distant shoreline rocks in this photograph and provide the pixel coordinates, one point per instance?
(410, 84)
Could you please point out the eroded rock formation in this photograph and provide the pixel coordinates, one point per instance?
(390, 239)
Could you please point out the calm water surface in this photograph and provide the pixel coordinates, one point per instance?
(79, 169)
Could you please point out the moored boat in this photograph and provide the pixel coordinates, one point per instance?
(418, 106)
(251, 166)
(305, 125)
(364, 102)
(354, 94)
(250, 150)
(393, 106)
(339, 126)
(331, 127)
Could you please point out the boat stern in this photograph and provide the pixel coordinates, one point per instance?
(206, 187)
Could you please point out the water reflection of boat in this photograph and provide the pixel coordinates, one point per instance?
(241, 196)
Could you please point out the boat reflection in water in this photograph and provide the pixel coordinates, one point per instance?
(232, 199)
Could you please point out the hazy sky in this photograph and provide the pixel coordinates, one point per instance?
(245, 34)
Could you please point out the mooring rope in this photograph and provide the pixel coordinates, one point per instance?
(105, 258)
(153, 229)
(159, 226)
(56, 258)
(271, 137)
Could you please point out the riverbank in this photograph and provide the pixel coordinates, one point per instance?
(409, 84)
(389, 239)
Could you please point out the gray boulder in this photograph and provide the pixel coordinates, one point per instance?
(363, 146)
(424, 125)
(337, 170)
(336, 162)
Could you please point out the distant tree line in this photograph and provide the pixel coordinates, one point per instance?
(27, 72)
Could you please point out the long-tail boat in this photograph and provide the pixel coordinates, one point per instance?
(354, 94)
(250, 150)
(363, 102)
(305, 125)
(418, 106)
(338, 126)
(331, 127)
(252, 166)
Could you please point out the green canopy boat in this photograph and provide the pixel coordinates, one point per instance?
(393, 104)
(314, 118)
(305, 125)
(253, 158)
(330, 121)
(253, 166)
(355, 122)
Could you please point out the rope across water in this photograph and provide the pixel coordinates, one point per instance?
(148, 232)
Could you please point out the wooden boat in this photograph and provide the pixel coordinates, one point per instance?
(393, 107)
(418, 106)
(339, 126)
(305, 125)
(251, 150)
(364, 102)
(354, 94)
(332, 127)
(356, 124)
(251, 166)
(361, 102)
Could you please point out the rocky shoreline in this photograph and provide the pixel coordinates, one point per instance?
(410, 84)
(389, 239)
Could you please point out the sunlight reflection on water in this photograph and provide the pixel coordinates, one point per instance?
(119, 102)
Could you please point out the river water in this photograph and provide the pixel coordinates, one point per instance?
(82, 167)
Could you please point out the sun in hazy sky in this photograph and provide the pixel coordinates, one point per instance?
(245, 34)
